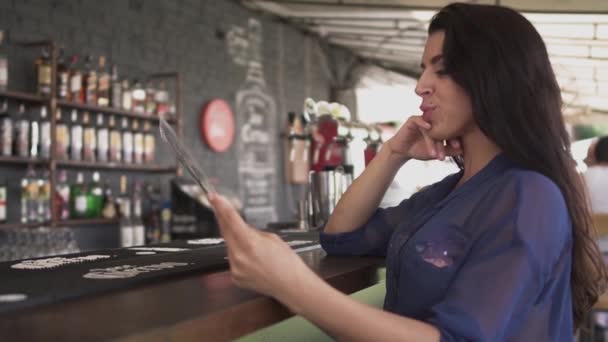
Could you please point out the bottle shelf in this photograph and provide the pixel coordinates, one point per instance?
(86, 222)
(116, 166)
(92, 109)
(22, 160)
(24, 225)
(22, 96)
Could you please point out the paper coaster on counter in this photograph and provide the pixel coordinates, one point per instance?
(54, 262)
(206, 241)
(159, 249)
(12, 297)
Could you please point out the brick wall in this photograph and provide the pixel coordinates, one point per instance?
(144, 37)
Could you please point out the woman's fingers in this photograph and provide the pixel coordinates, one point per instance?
(231, 224)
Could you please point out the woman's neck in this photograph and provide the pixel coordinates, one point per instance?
(478, 151)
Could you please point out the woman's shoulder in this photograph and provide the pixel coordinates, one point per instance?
(530, 186)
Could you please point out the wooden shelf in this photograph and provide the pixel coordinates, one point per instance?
(22, 160)
(116, 166)
(22, 96)
(92, 109)
(86, 222)
(24, 225)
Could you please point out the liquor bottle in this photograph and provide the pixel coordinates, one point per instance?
(43, 71)
(138, 97)
(127, 100)
(139, 232)
(6, 130)
(115, 142)
(62, 196)
(32, 192)
(149, 143)
(78, 198)
(103, 84)
(43, 203)
(124, 207)
(161, 97)
(22, 133)
(62, 137)
(103, 142)
(3, 201)
(75, 93)
(89, 142)
(127, 142)
(95, 198)
(138, 143)
(116, 92)
(109, 204)
(75, 137)
(45, 134)
(3, 62)
(24, 199)
(89, 82)
(150, 103)
(34, 137)
(63, 77)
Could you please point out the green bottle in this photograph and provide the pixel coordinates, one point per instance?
(95, 198)
(78, 198)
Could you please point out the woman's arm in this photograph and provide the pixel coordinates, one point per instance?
(258, 261)
(362, 198)
(346, 319)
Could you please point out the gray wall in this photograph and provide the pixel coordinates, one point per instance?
(144, 37)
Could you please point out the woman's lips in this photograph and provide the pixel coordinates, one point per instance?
(427, 114)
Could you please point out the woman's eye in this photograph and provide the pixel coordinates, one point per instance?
(441, 72)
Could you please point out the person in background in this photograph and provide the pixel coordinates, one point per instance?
(596, 176)
(503, 250)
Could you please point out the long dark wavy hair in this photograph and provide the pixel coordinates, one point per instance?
(500, 60)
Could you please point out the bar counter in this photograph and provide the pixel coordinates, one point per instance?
(198, 305)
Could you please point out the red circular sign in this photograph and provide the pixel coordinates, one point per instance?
(217, 125)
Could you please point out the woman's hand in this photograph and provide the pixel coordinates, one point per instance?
(413, 142)
(258, 260)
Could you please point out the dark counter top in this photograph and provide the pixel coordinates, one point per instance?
(197, 304)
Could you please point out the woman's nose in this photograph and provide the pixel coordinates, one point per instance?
(423, 87)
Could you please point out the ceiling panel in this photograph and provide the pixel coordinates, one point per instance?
(393, 32)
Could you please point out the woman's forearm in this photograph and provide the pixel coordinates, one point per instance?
(346, 319)
(362, 198)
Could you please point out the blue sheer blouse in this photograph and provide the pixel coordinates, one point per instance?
(487, 261)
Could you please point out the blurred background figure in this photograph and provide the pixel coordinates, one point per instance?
(596, 176)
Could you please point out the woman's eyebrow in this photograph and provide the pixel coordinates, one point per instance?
(434, 60)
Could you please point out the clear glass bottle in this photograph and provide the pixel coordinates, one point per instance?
(45, 134)
(6, 130)
(78, 198)
(62, 137)
(139, 232)
(34, 138)
(103, 140)
(75, 93)
(115, 141)
(63, 77)
(44, 197)
(127, 142)
(62, 196)
(22, 133)
(127, 101)
(103, 84)
(138, 97)
(116, 91)
(124, 207)
(149, 143)
(3, 201)
(89, 82)
(32, 195)
(138, 143)
(3, 61)
(75, 137)
(89, 145)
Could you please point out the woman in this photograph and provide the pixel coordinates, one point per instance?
(503, 250)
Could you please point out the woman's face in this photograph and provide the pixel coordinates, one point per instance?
(445, 105)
